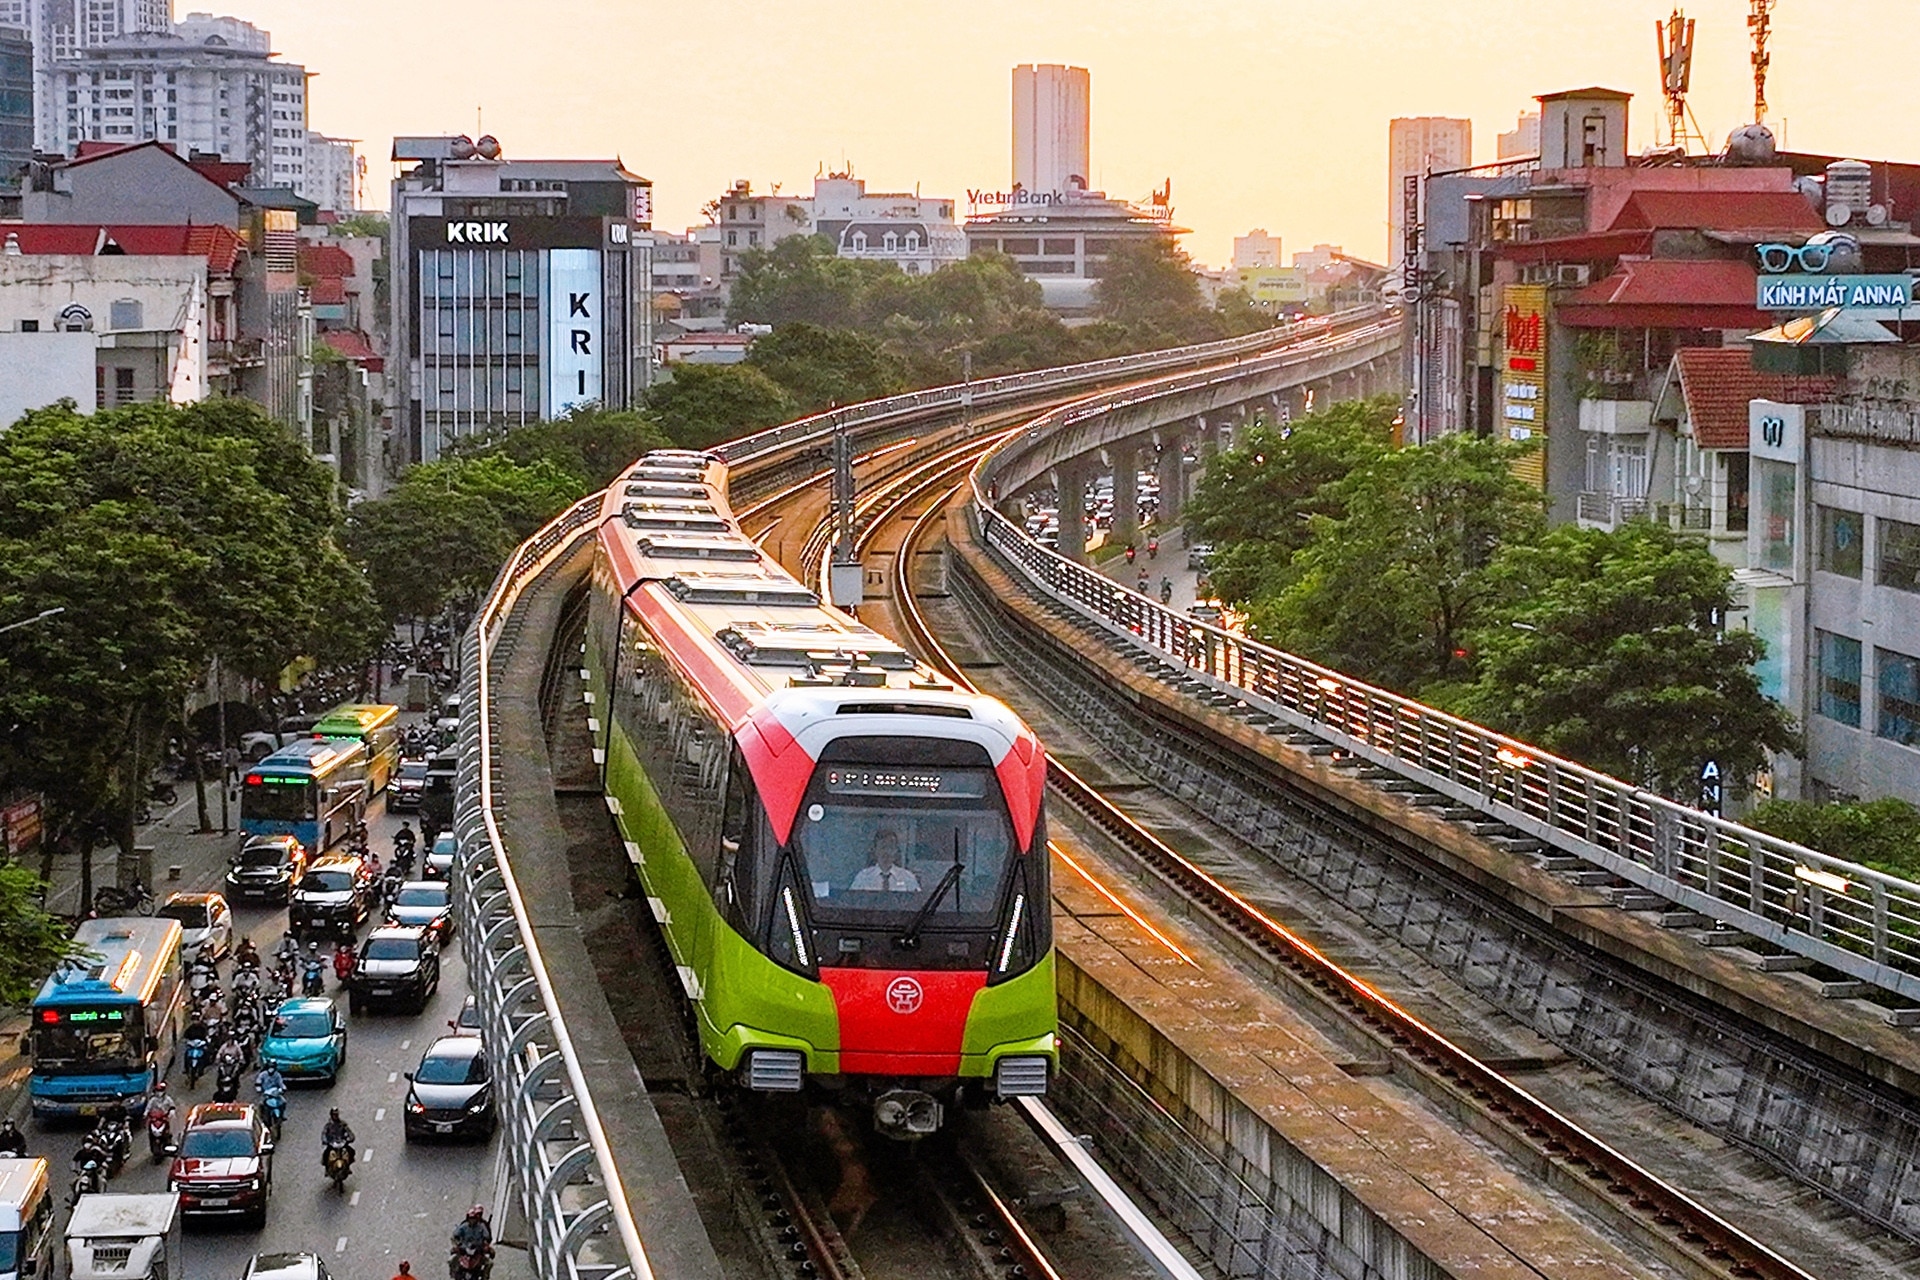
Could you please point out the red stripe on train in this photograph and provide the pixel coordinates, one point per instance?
(894, 1023)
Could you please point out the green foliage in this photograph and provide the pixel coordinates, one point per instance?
(1387, 590)
(801, 280)
(1151, 283)
(170, 536)
(1608, 648)
(704, 404)
(1882, 834)
(366, 223)
(592, 444)
(821, 367)
(1255, 501)
(31, 941)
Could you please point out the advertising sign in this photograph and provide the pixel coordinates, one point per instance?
(1523, 372)
(1774, 430)
(573, 328)
(1274, 285)
(1818, 293)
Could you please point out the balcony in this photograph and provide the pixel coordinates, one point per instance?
(1609, 510)
(1688, 519)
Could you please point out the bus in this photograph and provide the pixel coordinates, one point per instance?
(375, 724)
(104, 1025)
(314, 791)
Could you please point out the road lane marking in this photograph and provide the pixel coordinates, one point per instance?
(392, 1076)
(367, 1154)
(353, 1201)
(379, 1114)
(405, 1043)
(340, 1245)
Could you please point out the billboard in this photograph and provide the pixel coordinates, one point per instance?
(574, 330)
(1274, 286)
(1523, 374)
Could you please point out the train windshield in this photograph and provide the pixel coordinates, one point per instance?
(894, 840)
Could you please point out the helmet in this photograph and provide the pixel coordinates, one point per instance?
(478, 1211)
(314, 947)
(161, 1087)
(333, 1113)
(406, 1268)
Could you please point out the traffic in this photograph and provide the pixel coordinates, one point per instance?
(273, 1073)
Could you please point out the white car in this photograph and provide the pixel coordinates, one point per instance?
(206, 925)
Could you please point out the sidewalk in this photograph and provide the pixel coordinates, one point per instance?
(1170, 564)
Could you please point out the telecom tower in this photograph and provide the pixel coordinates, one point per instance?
(1674, 38)
(1760, 23)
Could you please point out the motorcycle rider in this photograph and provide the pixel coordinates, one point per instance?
(161, 1103)
(268, 1081)
(1166, 590)
(405, 1272)
(311, 969)
(342, 962)
(403, 841)
(246, 955)
(288, 949)
(231, 1058)
(473, 1235)
(336, 1133)
(13, 1143)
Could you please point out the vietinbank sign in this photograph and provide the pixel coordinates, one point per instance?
(1018, 198)
(1820, 293)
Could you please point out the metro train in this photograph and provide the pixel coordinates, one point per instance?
(847, 855)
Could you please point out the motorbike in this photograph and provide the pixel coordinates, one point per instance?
(312, 979)
(203, 979)
(195, 1060)
(112, 900)
(342, 962)
(470, 1262)
(338, 1160)
(113, 1139)
(163, 793)
(226, 1082)
(273, 1104)
(159, 1134)
(88, 1179)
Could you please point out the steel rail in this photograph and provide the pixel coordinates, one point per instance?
(1703, 1236)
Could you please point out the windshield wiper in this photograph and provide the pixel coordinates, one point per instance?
(910, 940)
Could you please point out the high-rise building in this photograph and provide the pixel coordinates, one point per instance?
(519, 290)
(1256, 249)
(1524, 140)
(334, 172)
(16, 104)
(61, 28)
(209, 96)
(1051, 128)
(1419, 145)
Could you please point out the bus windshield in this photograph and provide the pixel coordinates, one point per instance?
(278, 800)
(884, 840)
(75, 1046)
(9, 1251)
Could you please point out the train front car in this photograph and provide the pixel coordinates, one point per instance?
(847, 855)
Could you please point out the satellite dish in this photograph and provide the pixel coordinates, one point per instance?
(1838, 215)
(1876, 215)
(1694, 484)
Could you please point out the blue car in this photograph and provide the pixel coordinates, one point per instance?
(308, 1038)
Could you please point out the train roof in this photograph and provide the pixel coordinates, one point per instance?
(742, 629)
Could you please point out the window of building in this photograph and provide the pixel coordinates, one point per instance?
(733, 239)
(125, 313)
(1899, 555)
(1839, 685)
(122, 386)
(860, 241)
(892, 243)
(1020, 245)
(913, 242)
(29, 326)
(1058, 247)
(1773, 496)
(1842, 534)
(1899, 715)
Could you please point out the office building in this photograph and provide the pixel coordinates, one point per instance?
(520, 289)
(16, 105)
(1522, 140)
(1051, 129)
(61, 29)
(334, 173)
(209, 96)
(1064, 246)
(1417, 146)
(1256, 249)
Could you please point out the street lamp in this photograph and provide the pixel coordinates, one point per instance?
(41, 616)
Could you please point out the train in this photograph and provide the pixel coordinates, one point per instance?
(845, 853)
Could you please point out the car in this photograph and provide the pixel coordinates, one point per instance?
(266, 869)
(397, 962)
(450, 1094)
(427, 903)
(223, 1163)
(206, 924)
(440, 858)
(1199, 555)
(307, 1039)
(409, 786)
(286, 1266)
(468, 1022)
(262, 743)
(333, 898)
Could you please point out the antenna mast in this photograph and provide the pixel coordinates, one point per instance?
(1674, 38)
(1760, 23)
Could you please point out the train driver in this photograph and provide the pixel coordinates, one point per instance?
(885, 874)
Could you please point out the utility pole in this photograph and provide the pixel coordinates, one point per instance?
(845, 578)
(220, 714)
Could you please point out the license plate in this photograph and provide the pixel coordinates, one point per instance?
(379, 991)
(215, 1202)
(89, 1109)
(439, 1127)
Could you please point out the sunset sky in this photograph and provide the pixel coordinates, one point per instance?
(1263, 112)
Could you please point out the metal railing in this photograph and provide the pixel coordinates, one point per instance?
(1850, 918)
(579, 1224)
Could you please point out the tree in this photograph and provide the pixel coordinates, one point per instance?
(801, 278)
(420, 549)
(1610, 648)
(1149, 283)
(1254, 502)
(1388, 590)
(32, 942)
(704, 404)
(597, 445)
(820, 367)
(1882, 834)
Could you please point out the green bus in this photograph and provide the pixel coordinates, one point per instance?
(375, 724)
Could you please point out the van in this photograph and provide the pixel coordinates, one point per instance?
(116, 1236)
(26, 1220)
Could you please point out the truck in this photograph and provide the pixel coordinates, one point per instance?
(117, 1236)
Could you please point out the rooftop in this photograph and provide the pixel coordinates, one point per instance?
(1716, 384)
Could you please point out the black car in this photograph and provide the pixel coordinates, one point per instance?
(409, 785)
(266, 869)
(436, 801)
(426, 903)
(451, 1092)
(333, 898)
(397, 963)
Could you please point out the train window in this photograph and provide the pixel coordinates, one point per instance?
(883, 842)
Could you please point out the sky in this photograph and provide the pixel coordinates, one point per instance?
(1268, 113)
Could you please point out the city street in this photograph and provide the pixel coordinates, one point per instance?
(403, 1199)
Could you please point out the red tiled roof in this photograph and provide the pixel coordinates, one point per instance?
(1717, 383)
(220, 246)
(328, 291)
(1786, 212)
(325, 260)
(354, 346)
(1667, 293)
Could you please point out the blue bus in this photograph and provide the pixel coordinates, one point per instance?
(314, 791)
(105, 1024)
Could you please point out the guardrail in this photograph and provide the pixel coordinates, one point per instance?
(579, 1223)
(1850, 918)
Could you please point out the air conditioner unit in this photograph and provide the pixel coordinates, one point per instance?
(1573, 275)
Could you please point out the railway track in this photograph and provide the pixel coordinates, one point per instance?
(1683, 1231)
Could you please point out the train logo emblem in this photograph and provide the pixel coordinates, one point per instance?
(904, 995)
